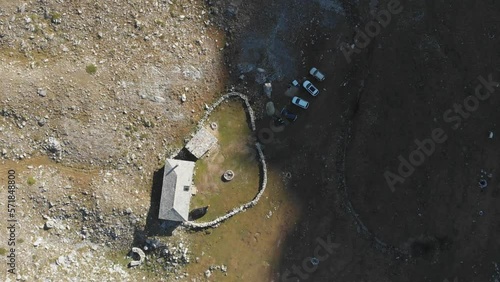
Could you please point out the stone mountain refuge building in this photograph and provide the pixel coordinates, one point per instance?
(176, 190)
(202, 141)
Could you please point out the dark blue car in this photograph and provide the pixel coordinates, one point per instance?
(288, 115)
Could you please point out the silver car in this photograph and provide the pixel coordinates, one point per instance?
(300, 102)
(310, 88)
(317, 74)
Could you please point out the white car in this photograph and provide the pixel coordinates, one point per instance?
(310, 88)
(317, 74)
(300, 102)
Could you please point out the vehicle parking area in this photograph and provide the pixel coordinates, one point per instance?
(437, 224)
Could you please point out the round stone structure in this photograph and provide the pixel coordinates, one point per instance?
(228, 175)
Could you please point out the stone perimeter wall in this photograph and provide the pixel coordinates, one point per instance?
(214, 223)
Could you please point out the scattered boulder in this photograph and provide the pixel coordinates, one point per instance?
(134, 263)
(228, 175)
(42, 122)
(49, 224)
(41, 92)
(128, 211)
(21, 8)
(53, 145)
(213, 125)
(142, 257)
(270, 109)
(159, 99)
(260, 76)
(483, 183)
(37, 242)
(192, 73)
(208, 273)
(62, 261)
(198, 213)
(268, 88)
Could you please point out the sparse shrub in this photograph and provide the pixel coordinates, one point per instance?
(91, 69)
(31, 180)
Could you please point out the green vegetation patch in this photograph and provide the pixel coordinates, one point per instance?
(31, 180)
(91, 69)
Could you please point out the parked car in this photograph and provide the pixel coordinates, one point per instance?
(310, 88)
(317, 74)
(288, 115)
(300, 102)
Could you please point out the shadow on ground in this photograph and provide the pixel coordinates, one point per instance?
(155, 226)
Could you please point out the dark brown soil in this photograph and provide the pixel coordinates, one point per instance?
(369, 112)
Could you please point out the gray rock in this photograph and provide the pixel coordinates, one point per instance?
(49, 224)
(62, 261)
(232, 10)
(42, 121)
(270, 109)
(37, 242)
(192, 73)
(208, 273)
(268, 89)
(134, 263)
(21, 8)
(41, 92)
(53, 145)
(142, 257)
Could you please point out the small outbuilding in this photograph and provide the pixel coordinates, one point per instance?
(202, 141)
(176, 190)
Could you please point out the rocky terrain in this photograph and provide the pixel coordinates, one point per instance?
(107, 90)
(90, 82)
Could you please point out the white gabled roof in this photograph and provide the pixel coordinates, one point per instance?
(174, 202)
